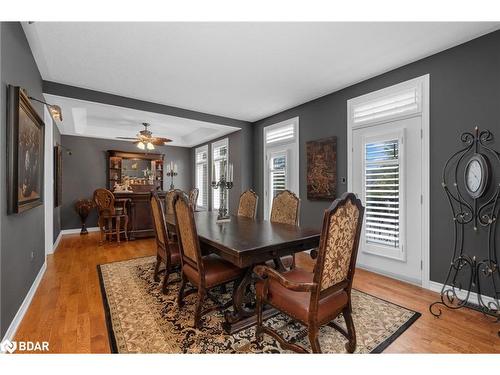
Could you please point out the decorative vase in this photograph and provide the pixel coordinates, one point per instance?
(83, 208)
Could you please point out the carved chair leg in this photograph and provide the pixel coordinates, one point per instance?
(101, 230)
(118, 221)
(125, 227)
(180, 297)
(157, 269)
(199, 305)
(258, 310)
(351, 345)
(313, 339)
(168, 267)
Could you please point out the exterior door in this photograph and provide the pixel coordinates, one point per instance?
(386, 175)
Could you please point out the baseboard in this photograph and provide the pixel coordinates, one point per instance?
(56, 242)
(437, 287)
(11, 331)
(389, 274)
(77, 230)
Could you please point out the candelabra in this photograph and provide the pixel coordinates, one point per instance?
(224, 185)
(172, 173)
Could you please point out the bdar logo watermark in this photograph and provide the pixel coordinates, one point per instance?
(8, 346)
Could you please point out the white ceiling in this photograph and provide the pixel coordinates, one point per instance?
(89, 119)
(245, 71)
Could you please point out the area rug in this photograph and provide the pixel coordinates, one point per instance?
(141, 319)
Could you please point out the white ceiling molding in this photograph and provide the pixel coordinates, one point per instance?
(245, 71)
(97, 120)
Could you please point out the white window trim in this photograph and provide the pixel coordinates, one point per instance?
(423, 85)
(295, 160)
(206, 188)
(221, 142)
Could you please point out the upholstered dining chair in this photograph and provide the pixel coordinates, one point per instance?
(285, 210)
(193, 197)
(169, 200)
(167, 252)
(317, 298)
(202, 272)
(110, 209)
(248, 204)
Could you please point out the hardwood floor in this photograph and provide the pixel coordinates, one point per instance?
(67, 309)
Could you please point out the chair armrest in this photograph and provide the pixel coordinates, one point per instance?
(265, 271)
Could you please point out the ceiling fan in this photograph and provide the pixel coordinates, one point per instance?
(145, 140)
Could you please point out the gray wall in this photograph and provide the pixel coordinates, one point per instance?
(57, 210)
(241, 155)
(23, 233)
(464, 90)
(85, 170)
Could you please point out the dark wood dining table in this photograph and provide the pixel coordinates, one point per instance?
(245, 243)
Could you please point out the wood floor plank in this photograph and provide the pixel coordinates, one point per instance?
(67, 309)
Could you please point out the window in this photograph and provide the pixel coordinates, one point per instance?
(404, 102)
(201, 168)
(220, 160)
(281, 155)
(382, 196)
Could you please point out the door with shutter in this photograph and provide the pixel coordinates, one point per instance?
(387, 175)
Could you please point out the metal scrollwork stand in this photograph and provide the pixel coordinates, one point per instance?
(468, 274)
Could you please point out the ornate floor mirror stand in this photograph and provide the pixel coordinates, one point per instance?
(471, 180)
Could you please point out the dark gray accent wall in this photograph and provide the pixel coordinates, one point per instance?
(241, 155)
(464, 92)
(23, 233)
(85, 170)
(57, 210)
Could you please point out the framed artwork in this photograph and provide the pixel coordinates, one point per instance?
(57, 175)
(322, 169)
(25, 137)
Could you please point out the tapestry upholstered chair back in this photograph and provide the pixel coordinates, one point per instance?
(105, 202)
(189, 245)
(339, 242)
(248, 204)
(169, 200)
(158, 217)
(285, 208)
(193, 197)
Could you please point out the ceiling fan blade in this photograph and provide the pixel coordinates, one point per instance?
(126, 138)
(160, 141)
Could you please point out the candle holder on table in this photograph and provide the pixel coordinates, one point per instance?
(224, 185)
(83, 208)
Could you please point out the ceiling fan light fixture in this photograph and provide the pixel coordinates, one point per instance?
(141, 145)
(150, 146)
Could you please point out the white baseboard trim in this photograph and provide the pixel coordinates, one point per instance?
(11, 331)
(437, 287)
(77, 230)
(389, 274)
(56, 243)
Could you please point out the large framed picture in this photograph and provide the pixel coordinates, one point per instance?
(25, 137)
(57, 175)
(322, 169)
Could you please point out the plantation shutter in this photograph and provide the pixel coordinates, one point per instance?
(281, 134)
(382, 193)
(403, 103)
(202, 177)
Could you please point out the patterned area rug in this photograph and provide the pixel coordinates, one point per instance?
(141, 319)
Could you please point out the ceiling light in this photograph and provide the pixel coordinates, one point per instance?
(150, 146)
(56, 112)
(141, 145)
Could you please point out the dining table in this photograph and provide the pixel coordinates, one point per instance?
(247, 242)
